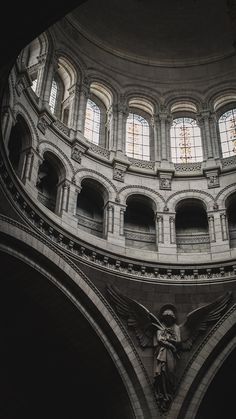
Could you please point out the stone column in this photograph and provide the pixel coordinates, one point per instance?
(50, 68)
(122, 217)
(172, 230)
(224, 226)
(159, 229)
(165, 122)
(121, 112)
(214, 135)
(211, 223)
(65, 196)
(108, 219)
(74, 94)
(204, 124)
(66, 201)
(219, 236)
(83, 97)
(156, 138)
(28, 163)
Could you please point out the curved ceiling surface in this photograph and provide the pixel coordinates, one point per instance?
(154, 30)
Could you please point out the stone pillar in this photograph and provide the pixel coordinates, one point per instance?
(159, 229)
(66, 202)
(83, 97)
(46, 79)
(204, 124)
(218, 231)
(65, 196)
(211, 223)
(214, 135)
(121, 114)
(74, 94)
(73, 196)
(224, 226)
(156, 138)
(122, 217)
(28, 163)
(172, 230)
(108, 219)
(165, 122)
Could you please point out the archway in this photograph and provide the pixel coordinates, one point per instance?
(219, 400)
(53, 364)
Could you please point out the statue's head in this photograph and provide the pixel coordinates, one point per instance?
(168, 314)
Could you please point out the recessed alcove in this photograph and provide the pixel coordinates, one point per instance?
(90, 207)
(192, 233)
(139, 223)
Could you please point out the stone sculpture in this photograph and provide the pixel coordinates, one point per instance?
(166, 336)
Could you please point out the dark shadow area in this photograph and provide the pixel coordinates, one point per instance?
(53, 365)
(219, 400)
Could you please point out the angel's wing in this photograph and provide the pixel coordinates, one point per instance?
(198, 320)
(136, 315)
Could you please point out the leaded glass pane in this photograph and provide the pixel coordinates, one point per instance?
(227, 128)
(53, 96)
(186, 144)
(92, 122)
(137, 137)
(34, 85)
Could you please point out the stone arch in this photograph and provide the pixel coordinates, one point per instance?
(93, 174)
(224, 194)
(134, 91)
(177, 97)
(188, 103)
(21, 110)
(81, 292)
(219, 99)
(19, 143)
(149, 102)
(203, 366)
(109, 82)
(175, 198)
(45, 146)
(125, 192)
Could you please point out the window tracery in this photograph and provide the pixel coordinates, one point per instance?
(186, 145)
(53, 96)
(137, 137)
(227, 129)
(92, 122)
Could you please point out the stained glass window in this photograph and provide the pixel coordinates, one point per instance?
(186, 144)
(92, 122)
(227, 127)
(137, 137)
(53, 96)
(34, 85)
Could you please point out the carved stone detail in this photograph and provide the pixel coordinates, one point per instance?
(77, 151)
(165, 179)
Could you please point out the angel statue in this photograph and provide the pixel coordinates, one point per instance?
(165, 336)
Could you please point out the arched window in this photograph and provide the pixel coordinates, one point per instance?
(137, 137)
(92, 122)
(186, 144)
(227, 128)
(53, 96)
(34, 85)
